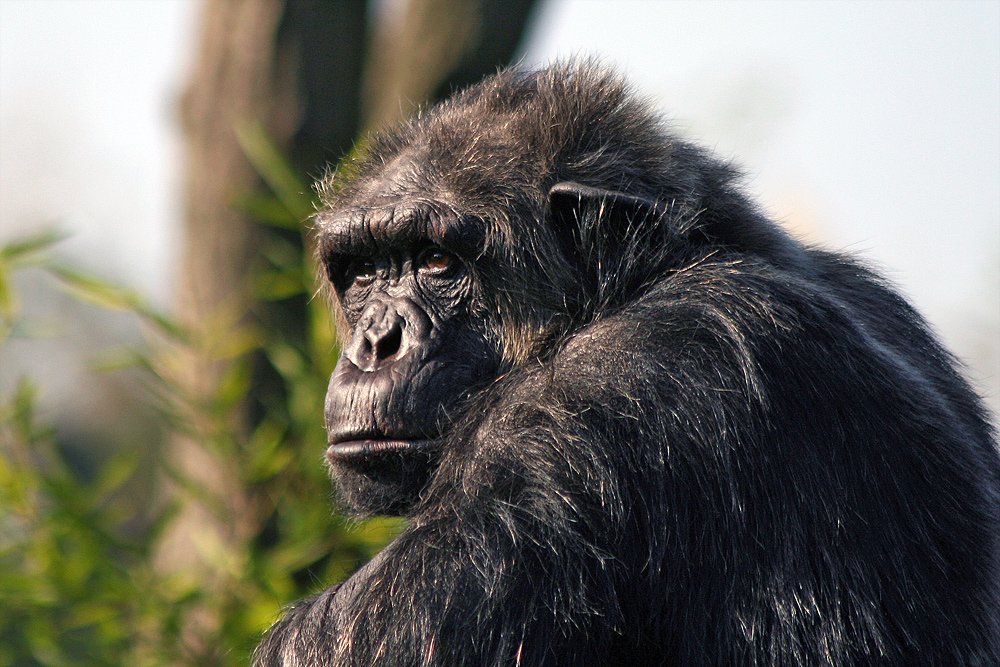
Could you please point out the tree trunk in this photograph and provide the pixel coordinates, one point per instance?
(295, 66)
(234, 81)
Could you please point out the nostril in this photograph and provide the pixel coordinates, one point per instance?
(388, 344)
(364, 348)
(386, 332)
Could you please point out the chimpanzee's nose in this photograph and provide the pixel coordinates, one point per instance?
(387, 331)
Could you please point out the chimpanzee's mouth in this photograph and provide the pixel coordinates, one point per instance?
(357, 449)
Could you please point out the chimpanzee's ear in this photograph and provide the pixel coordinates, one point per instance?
(583, 212)
(599, 225)
(615, 240)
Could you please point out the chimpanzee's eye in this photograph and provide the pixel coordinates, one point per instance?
(361, 270)
(436, 260)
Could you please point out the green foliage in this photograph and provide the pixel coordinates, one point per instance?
(15, 256)
(68, 593)
(79, 578)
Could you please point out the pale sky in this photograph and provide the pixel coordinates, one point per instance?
(868, 126)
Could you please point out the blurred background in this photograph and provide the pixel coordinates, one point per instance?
(161, 364)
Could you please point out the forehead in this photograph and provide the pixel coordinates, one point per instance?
(384, 222)
(401, 201)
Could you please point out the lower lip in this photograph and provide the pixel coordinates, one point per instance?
(353, 450)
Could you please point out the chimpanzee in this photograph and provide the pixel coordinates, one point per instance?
(631, 421)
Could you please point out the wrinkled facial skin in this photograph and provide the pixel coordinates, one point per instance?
(411, 356)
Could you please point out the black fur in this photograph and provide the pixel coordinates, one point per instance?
(704, 443)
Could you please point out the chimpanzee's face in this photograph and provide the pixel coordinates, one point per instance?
(412, 350)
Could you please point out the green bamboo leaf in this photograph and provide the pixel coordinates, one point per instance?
(97, 291)
(23, 251)
(267, 209)
(283, 254)
(112, 477)
(106, 295)
(274, 169)
(119, 359)
(288, 361)
(18, 254)
(277, 285)
(8, 301)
